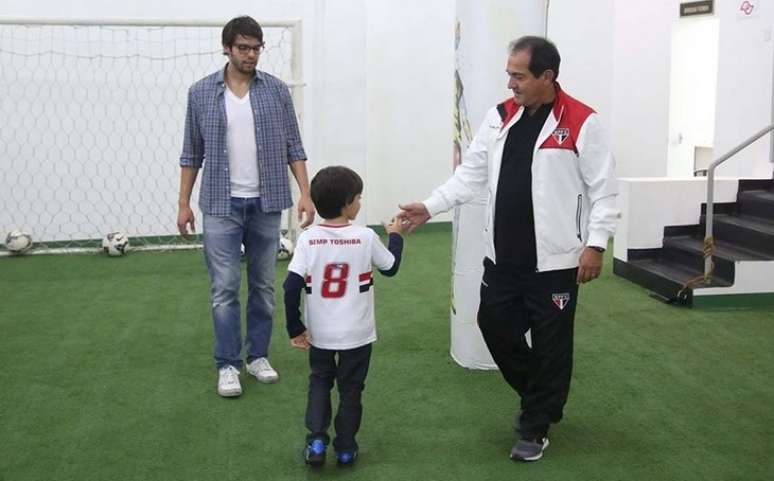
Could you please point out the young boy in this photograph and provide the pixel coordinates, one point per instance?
(333, 264)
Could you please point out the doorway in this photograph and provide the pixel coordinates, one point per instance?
(692, 95)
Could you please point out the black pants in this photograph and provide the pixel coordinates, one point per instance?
(513, 301)
(349, 373)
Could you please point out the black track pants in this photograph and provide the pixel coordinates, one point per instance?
(513, 301)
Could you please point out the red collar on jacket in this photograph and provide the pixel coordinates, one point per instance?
(570, 115)
(509, 108)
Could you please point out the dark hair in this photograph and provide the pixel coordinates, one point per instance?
(543, 54)
(333, 188)
(245, 26)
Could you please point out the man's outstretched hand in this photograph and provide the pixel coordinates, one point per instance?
(413, 214)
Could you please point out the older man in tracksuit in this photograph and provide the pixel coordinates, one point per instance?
(543, 158)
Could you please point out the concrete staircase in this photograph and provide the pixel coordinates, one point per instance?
(744, 240)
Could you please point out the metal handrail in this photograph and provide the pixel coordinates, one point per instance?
(708, 240)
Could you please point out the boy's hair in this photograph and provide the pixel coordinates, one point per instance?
(244, 26)
(333, 188)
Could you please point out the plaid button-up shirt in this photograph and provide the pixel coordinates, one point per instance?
(277, 139)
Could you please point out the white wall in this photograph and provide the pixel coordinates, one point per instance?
(583, 33)
(335, 132)
(640, 104)
(488, 29)
(744, 103)
(410, 68)
(615, 57)
(379, 96)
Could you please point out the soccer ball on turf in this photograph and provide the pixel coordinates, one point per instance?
(18, 242)
(115, 244)
(285, 248)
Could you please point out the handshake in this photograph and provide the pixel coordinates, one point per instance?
(409, 218)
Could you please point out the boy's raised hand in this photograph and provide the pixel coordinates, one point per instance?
(300, 342)
(396, 226)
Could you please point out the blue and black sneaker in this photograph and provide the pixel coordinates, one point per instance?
(314, 454)
(346, 458)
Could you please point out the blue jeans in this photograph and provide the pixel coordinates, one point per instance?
(223, 237)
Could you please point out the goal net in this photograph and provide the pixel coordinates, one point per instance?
(91, 123)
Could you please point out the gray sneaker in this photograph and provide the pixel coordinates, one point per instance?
(529, 449)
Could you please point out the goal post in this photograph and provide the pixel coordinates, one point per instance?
(91, 123)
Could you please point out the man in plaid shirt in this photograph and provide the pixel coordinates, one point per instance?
(241, 126)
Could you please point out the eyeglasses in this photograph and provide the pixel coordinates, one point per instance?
(243, 48)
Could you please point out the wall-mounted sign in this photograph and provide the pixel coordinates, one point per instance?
(689, 9)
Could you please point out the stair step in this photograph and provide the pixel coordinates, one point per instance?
(753, 222)
(678, 273)
(663, 276)
(723, 249)
(689, 251)
(745, 231)
(758, 203)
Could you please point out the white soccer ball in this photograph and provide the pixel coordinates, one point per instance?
(115, 244)
(285, 248)
(18, 242)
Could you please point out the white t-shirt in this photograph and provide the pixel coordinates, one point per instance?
(336, 262)
(242, 151)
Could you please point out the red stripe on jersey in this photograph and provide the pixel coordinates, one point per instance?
(366, 276)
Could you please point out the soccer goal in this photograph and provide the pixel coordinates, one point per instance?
(91, 123)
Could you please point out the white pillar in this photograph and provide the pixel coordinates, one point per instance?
(484, 31)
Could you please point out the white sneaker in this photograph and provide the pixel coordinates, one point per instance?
(228, 382)
(262, 370)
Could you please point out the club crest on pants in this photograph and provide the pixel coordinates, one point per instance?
(561, 299)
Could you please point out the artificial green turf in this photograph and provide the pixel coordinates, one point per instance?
(107, 375)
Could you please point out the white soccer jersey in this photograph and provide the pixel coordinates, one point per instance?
(336, 263)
